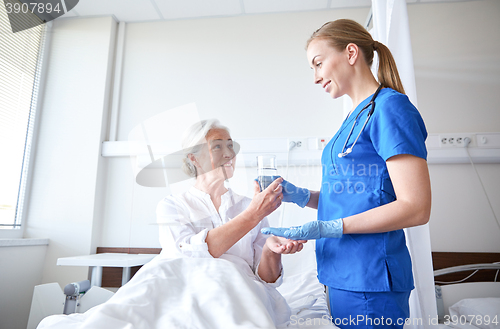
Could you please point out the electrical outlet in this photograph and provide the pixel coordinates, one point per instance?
(297, 144)
(323, 142)
(317, 143)
(456, 140)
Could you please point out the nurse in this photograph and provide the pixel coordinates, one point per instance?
(375, 182)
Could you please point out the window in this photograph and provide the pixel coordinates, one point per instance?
(19, 78)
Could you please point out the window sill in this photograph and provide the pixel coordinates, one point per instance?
(23, 242)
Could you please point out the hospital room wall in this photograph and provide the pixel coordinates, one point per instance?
(164, 67)
(66, 190)
(456, 49)
(65, 197)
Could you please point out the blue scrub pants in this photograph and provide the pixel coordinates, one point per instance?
(351, 309)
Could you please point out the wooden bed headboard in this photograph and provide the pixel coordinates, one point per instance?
(442, 260)
(112, 276)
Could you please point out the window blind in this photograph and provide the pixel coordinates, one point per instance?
(20, 59)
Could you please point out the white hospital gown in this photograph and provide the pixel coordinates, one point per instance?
(184, 222)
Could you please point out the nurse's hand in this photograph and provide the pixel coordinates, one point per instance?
(298, 195)
(281, 245)
(310, 231)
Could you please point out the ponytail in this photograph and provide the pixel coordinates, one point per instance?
(342, 32)
(387, 74)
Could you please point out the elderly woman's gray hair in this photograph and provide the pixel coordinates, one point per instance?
(193, 140)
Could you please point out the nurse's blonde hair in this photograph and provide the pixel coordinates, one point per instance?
(342, 32)
(193, 140)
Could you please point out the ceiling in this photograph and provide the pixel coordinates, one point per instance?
(155, 10)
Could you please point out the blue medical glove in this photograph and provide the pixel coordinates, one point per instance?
(298, 195)
(310, 231)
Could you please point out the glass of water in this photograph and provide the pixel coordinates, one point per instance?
(266, 170)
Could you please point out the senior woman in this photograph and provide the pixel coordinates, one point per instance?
(210, 220)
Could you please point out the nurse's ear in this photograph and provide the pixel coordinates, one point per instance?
(352, 51)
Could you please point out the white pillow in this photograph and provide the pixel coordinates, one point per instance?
(483, 313)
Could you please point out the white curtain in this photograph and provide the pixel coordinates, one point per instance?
(390, 27)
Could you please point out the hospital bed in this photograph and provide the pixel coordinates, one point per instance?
(301, 288)
(468, 294)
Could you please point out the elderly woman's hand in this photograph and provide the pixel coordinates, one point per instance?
(267, 201)
(281, 245)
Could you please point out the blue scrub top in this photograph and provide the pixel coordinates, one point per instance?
(359, 182)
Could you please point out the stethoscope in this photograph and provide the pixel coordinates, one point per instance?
(372, 103)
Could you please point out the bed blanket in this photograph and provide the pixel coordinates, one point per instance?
(179, 293)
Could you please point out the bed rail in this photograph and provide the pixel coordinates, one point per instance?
(468, 267)
(448, 266)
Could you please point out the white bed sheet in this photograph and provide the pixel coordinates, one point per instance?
(302, 290)
(219, 296)
(307, 300)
